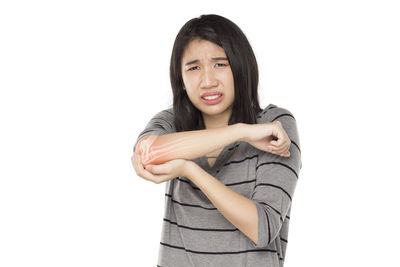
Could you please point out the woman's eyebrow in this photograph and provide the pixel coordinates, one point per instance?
(213, 59)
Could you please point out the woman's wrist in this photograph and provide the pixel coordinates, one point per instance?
(188, 168)
(242, 130)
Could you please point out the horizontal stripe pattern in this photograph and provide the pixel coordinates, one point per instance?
(182, 257)
(218, 252)
(276, 179)
(195, 233)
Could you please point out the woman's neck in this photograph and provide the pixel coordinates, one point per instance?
(217, 121)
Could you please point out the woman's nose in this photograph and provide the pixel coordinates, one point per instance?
(208, 79)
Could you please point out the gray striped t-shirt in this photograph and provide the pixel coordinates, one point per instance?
(195, 233)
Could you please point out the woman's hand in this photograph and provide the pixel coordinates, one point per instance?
(262, 136)
(161, 172)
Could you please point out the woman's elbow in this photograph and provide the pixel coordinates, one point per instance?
(143, 149)
(269, 225)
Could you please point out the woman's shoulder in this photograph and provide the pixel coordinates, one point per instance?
(163, 118)
(166, 114)
(272, 112)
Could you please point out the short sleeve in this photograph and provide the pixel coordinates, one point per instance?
(160, 124)
(276, 178)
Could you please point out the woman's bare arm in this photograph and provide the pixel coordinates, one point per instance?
(188, 145)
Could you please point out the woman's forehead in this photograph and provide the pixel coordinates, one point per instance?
(201, 44)
(201, 48)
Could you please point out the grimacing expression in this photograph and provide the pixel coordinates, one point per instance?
(205, 68)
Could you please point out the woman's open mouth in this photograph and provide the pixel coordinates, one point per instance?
(212, 100)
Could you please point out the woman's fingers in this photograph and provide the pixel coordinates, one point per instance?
(159, 169)
(281, 152)
(138, 165)
(286, 154)
(140, 171)
(162, 178)
(134, 163)
(282, 145)
(284, 148)
(274, 143)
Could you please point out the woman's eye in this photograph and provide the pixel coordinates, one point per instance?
(220, 64)
(193, 68)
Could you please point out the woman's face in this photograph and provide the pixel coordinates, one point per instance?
(206, 69)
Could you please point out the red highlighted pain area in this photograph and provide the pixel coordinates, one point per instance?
(152, 150)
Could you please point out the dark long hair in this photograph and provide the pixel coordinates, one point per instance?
(226, 34)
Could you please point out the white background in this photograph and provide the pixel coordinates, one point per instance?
(80, 79)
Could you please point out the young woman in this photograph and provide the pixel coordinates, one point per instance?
(230, 167)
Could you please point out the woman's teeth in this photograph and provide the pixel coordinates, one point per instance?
(211, 97)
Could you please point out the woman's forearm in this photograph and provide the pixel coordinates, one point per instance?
(190, 144)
